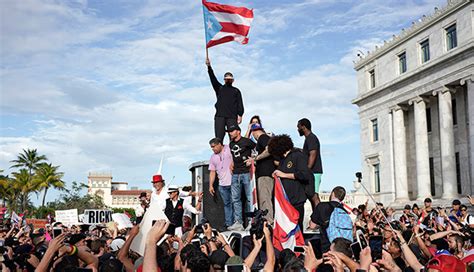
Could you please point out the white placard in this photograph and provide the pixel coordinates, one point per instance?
(155, 212)
(97, 216)
(67, 217)
(122, 220)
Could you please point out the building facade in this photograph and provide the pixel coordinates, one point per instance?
(114, 194)
(416, 100)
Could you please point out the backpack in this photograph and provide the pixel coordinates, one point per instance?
(340, 225)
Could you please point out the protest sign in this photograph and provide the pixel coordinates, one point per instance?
(97, 216)
(155, 212)
(37, 223)
(122, 220)
(67, 217)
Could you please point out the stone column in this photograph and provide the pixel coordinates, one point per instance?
(421, 149)
(446, 135)
(469, 82)
(400, 154)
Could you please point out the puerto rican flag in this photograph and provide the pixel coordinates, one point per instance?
(286, 233)
(224, 23)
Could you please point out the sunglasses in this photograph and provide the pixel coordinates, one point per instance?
(463, 210)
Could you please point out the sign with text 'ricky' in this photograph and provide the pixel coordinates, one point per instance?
(97, 216)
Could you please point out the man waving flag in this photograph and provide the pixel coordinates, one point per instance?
(224, 23)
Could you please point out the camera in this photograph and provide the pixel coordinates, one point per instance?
(359, 175)
(258, 222)
(199, 228)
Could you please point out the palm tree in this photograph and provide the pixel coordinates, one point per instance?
(22, 187)
(46, 177)
(4, 185)
(29, 159)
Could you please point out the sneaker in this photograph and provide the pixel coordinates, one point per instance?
(236, 226)
(249, 226)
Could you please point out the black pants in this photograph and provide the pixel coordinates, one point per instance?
(220, 125)
(300, 209)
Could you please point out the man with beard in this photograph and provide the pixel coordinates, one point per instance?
(312, 150)
(241, 149)
(229, 105)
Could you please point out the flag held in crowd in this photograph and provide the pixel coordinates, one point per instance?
(224, 23)
(286, 233)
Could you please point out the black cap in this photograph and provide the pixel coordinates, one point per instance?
(219, 257)
(456, 202)
(75, 238)
(232, 128)
(428, 200)
(407, 207)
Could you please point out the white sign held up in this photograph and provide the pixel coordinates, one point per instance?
(97, 216)
(122, 220)
(67, 217)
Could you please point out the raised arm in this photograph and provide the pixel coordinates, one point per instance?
(257, 245)
(53, 247)
(123, 252)
(408, 254)
(215, 83)
(269, 250)
(154, 235)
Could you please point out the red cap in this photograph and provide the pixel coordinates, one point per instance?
(446, 263)
(157, 178)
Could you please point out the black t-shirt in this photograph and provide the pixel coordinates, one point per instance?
(296, 163)
(312, 143)
(321, 215)
(241, 151)
(265, 167)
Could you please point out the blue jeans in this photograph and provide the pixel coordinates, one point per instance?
(226, 195)
(239, 181)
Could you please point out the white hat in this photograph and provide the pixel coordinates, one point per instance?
(173, 188)
(117, 244)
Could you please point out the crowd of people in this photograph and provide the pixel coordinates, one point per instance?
(370, 237)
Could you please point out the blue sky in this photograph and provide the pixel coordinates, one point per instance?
(111, 86)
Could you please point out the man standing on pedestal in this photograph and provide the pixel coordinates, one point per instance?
(220, 165)
(263, 172)
(229, 105)
(241, 149)
(312, 149)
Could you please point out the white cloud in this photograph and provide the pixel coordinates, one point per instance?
(114, 94)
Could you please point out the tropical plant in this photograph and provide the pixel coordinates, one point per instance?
(21, 188)
(48, 176)
(30, 160)
(75, 199)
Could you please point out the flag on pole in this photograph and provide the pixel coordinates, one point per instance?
(224, 23)
(286, 233)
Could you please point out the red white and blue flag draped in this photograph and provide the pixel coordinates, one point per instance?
(224, 23)
(286, 233)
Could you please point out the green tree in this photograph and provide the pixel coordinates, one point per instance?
(74, 198)
(21, 188)
(48, 176)
(30, 160)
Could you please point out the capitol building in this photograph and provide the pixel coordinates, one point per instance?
(416, 109)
